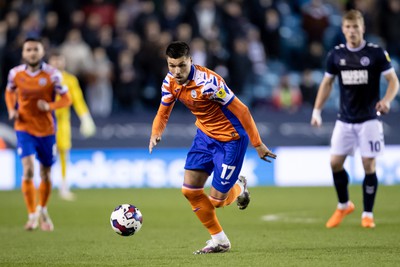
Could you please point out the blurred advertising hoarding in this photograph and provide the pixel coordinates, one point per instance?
(121, 168)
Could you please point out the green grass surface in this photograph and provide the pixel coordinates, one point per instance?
(281, 227)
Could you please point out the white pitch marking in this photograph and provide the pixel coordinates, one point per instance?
(287, 219)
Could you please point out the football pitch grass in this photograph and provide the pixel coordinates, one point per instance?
(281, 227)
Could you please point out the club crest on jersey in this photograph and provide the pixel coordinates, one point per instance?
(342, 62)
(221, 93)
(42, 81)
(364, 61)
(193, 93)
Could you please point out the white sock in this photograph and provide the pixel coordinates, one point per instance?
(367, 214)
(220, 238)
(343, 206)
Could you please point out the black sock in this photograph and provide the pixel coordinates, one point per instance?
(341, 180)
(370, 186)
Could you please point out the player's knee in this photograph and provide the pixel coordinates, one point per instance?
(192, 194)
(218, 203)
(45, 174)
(336, 166)
(369, 165)
(28, 173)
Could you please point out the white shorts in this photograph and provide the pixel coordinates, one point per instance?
(368, 136)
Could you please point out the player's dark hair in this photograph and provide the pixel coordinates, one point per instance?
(33, 39)
(353, 15)
(178, 49)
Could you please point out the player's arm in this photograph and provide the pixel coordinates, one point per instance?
(87, 127)
(241, 111)
(383, 106)
(64, 101)
(159, 123)
(11, 101)
(324, 91)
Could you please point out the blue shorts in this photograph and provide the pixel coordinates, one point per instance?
(43, 147)
(225, 159)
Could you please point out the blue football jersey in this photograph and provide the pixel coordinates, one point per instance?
(359, 71)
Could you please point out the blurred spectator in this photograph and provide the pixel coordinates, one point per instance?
(270, 35)
(389, 22)
(104, 9)
(198, 51)
(256, 52)
(240, 66)
(171, 15)
(314, 56)
(52, 29)
(308, 88)
(127, 86)
(184, 33)
(99, 89)
(78, 54)
(315, 19)
(285, 96)
(205, 18)
(90, 32)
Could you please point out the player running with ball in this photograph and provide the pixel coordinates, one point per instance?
(225, 126)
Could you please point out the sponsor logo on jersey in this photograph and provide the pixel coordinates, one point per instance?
(354, 77)
(221, 93)
(193, 93)
(364, 61)
(342, 62)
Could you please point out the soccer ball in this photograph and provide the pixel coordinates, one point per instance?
(126, 220)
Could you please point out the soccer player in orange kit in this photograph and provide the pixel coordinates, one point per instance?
(225, 126)
(30, 94)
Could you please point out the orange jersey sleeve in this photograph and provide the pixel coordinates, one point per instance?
(208, 97)
(44, 84)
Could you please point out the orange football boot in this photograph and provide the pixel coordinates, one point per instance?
(367, 222)
(339, 215)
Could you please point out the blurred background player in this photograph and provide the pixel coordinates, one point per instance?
(225, 126)
(63, 115)
(359, 66)
(30, 93)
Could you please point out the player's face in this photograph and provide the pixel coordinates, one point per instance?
(353, 31)
(32, 53)
(180, 68)
(58, 62)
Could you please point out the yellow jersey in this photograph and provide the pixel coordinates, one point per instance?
(63, 115)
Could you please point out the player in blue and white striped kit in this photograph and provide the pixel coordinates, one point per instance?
(359, 66)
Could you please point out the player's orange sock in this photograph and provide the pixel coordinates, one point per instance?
(28, 189)
(203, 208)
(44, 192)
(232, 196)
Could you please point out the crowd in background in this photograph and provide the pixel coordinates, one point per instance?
(270, 52)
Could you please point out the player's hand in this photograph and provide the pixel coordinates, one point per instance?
(154, 140)
(43, 105)
(13, 114)
(87, 128)
(382, 107)
(316, 119)
(264, 153)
